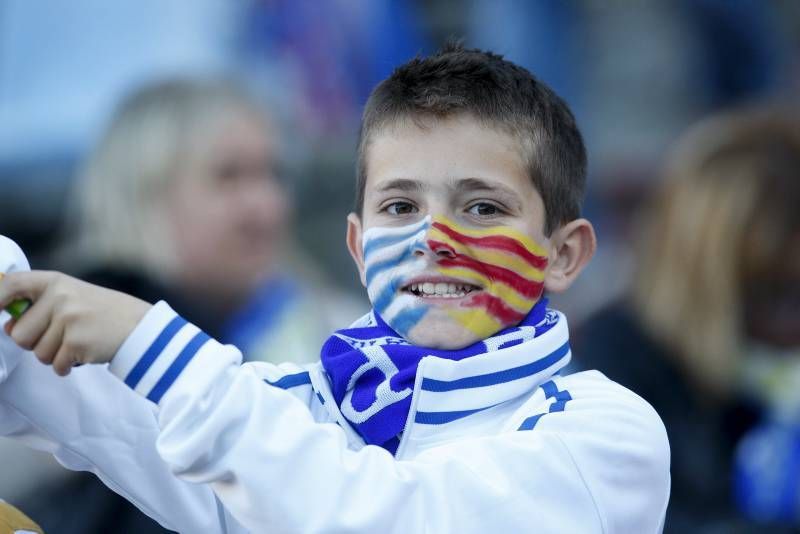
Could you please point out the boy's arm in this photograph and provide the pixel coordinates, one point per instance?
(272, 465)
(89, 421)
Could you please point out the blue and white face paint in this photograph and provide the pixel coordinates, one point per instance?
(390, 260)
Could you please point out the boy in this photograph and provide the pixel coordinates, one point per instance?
(448, 414)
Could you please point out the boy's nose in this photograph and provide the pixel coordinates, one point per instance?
(436, 248)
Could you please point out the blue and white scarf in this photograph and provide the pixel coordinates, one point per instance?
(372, 370)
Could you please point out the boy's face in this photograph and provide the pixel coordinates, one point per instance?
(451, 245)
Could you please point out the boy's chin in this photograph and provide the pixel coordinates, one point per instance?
(444, 335)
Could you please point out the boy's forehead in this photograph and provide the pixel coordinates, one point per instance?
(457, 151)
(423, 128)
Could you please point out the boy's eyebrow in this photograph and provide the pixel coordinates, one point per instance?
(401, 184)
(458, 184)
(479, 184)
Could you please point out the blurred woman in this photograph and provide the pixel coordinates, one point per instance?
(183, 197)
(710, 335)
(183, 200)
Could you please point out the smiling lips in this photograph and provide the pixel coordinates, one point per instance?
(440, 289)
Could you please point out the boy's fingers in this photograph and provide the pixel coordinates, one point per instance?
(47, 347)
(25, 285)
(29, 328)
(63, 362)
(9, 325)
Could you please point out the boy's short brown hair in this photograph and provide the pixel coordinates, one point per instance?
(499, 94)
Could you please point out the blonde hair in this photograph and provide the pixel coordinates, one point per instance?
(116, 214)
(719, 197)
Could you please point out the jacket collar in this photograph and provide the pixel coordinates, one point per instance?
(448, 390)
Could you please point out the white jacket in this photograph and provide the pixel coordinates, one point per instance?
(493, 443)
(92, 422)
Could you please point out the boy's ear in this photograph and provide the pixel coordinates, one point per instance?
(574, 245)
(354, 245)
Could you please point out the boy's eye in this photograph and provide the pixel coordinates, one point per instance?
(401, 208)
(484, 209)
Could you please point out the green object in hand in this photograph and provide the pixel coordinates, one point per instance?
(18, 307)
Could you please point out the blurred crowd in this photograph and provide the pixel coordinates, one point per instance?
(203, 151)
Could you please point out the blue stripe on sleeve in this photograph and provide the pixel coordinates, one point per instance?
(177, 366)
(152, 352)
(440, 418)
(530, 422)
(290, 381)
(499, 377)
(551, 391)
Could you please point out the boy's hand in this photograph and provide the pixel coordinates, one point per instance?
(70, 321)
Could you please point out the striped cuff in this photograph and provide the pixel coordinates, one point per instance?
(157, 351)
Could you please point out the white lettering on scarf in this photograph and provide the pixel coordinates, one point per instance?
(357, 343)
(384, 395)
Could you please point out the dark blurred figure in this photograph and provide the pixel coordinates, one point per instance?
(182, 200)
(710, 335)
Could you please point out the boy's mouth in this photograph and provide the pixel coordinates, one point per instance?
(439, 288)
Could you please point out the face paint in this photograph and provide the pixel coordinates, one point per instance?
(389, 262)
(505, 264)
(508, 266)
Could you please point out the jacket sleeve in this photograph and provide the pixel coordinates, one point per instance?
(91, 422)
(275, 468)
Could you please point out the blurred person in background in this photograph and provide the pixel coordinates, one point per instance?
(182, 199)
(710, 334)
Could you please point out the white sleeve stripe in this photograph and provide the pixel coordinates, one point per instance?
(162, 361)
(153, 351)
(174, 370)
(139, 342)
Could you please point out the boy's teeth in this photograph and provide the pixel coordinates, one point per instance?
(440, 289)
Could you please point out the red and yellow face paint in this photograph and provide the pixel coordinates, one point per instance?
(508, 265)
